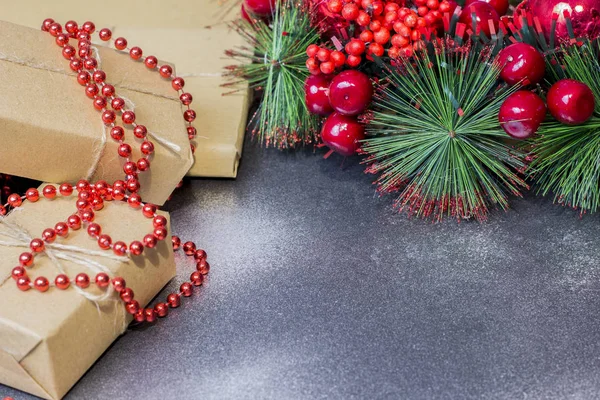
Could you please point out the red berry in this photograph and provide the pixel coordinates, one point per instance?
(382, 36)
(355, 47)
(501, 6)
(521, 62)
(363, 19)
(259, 7)
(323, 55)
(316, 90)
(353, 61)
(483, 13)
(327, 67)
(376, 49)
(350, 92)
(335, 6)
(342, 133)
(350, 11)
(312, 50)
(521, 114)
(338, 58)
(366, 36)
(570, 102)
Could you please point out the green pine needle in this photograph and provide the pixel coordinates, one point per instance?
(275, 62)
(435, 136)
(567, 158)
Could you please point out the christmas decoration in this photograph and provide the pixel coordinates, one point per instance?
(277, 67)
(501, 6)
(478, 16)
(565, 157)
(571, 102)
(434, 136)
(556, 16)
(350, 92)
(521, 63)
(342, 133)
(259, 7)
(316, 90)
(521, 114)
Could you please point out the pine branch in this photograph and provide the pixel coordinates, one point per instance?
(435, 136)
(275, 63)
(567, 158)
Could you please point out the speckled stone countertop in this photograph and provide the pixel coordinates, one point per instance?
(318, 290)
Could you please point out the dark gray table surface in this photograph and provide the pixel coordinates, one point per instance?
(318, 290)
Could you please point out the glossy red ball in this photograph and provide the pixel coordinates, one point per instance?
(521, 114)
(259, 7)
(521, 62)
(341, 133)
(316, 90)
(484, 13)
(350, 92)
(571, 102)
(501, 6)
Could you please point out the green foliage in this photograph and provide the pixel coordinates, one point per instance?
(274, 62)
(435, 137)
(567, 158)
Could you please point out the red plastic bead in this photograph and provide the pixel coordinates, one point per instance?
(108, 90)
(151, 62)
(26, 259)
(133, 185)
(143, 164)
(126, 295)
(120, 248)
(41, 284)
(200, 255)
(32, 195)
(102, 280)
(124, 150)
(104, 241)
(174, 300)
(150, 241)
(119, 284)
(149, 210)
(108, 116)
(99, 76)
(196, 278)
(55, 29)
(192, 132)
(74, 222)
(189, 115)
(14, 200)
(160, 233)
(76, 65)
(128, 117)
(176, 242)
(99, 102)
(61, 229)
(135, 53)
(136, 248)
(88, 27)
(82, 280)
(66, 189)
(150, 315)
(90, 63)
(186, 289)
(161, 309)
(49, 235)
(166, 71)
(132, 307)
(117, 133)
(120, 43)
(134, 201)
(37, 245)
(140, 131)
(23, 283)
(189, 248)
(62, 40)
(147, 147)
(178, 83)
(46, 24)
(94, 230)
(88, 215)
(62, 282)
(49, 191)
(203, 267)
(18, 272)
(186, 99)
(105, 34)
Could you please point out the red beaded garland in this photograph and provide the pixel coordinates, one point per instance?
(91, 197)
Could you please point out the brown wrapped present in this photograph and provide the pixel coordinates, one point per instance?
(193, 35)
(51, 132)
(50, 339)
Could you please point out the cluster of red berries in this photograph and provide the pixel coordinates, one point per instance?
(322, 60)
(388, 24)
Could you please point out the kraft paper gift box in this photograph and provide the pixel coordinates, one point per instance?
(50, 131)
(49, 340)
(193, 34)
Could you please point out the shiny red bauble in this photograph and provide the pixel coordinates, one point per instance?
(342, 133)
(570, 102)
(350, 92)
(316, 89)
(259, 7)
(484, 13)
(584, 15)
(501, 6)
(521, 114)
(521, 62)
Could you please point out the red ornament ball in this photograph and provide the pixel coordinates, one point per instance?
(571, 102)
(521, 62)
(584, 16)
(341, 133)
(521, 114)
(259, 7)
(350, 92)
(316, 88)
(501, 6)
(484, 13)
